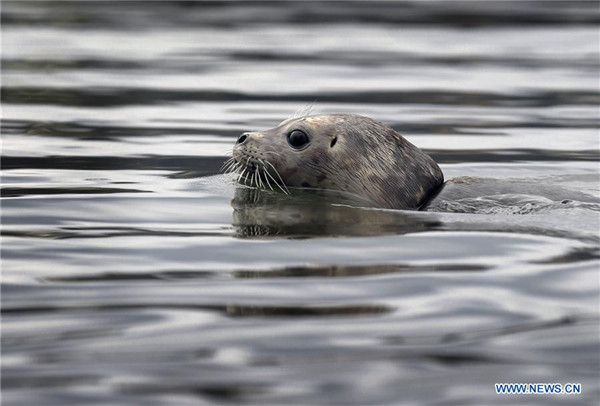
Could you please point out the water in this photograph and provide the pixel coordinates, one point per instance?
(132, 275)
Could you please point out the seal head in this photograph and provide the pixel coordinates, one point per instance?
(341, 152)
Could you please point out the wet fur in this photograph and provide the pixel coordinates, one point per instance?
(368, 159)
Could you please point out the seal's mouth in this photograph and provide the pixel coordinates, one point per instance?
(255, 172)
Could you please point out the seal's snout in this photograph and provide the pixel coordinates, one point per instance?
(242, 138)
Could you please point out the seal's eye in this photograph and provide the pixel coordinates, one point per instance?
(298, 139)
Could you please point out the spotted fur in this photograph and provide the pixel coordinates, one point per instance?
(367, 159)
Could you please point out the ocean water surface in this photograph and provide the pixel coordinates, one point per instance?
(134, 272)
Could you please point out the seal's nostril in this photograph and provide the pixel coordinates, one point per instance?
(242, 138)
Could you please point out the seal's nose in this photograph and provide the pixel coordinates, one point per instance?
(242, 138)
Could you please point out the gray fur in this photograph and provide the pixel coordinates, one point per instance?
(369, 159)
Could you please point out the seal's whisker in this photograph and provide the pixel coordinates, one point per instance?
(231, 167)
(253, 180)
(234, 167)
(248, 167)
(279, 176)
(248, 177)
(265, 173)
(227, 162)
(276, 183)
(281, 182)
(254, 176)
(304, 111)
(250, 174)
(230, 163)
(242, 173)
(267, 179)
(246, 171)
(275, 153)
(287, 192)
(258, 177)
(308, 109)
(237, 168)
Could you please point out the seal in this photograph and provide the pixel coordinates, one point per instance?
(339, 152)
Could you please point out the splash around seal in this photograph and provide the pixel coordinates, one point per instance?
(341, 152)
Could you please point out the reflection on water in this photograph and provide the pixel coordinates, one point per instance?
(344, 271)
(304, 311)
(310, 213)
(132, 275)
(315, 271)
